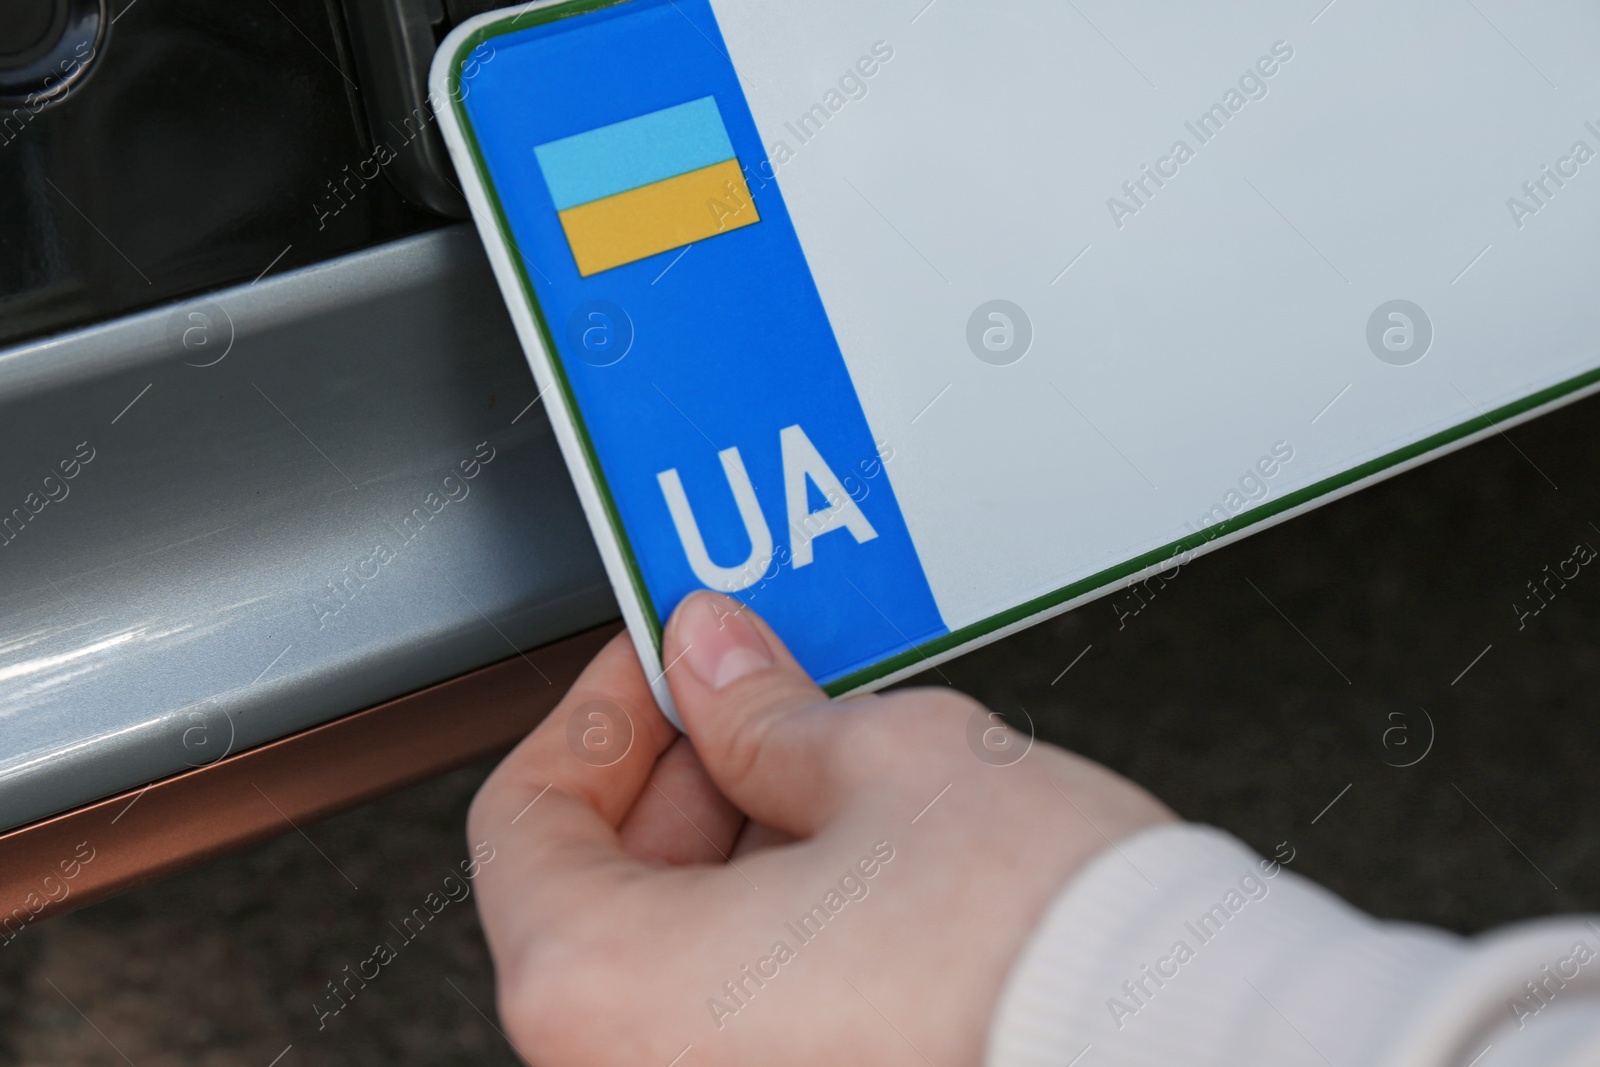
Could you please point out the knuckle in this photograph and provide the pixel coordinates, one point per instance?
(531, 1005)
(877, 742)
(479, 821)
(930, 715)
(906, 730)
(872, 731)
(554, 983)
(948, 704)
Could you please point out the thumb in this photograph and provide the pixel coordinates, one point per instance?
(767, 734)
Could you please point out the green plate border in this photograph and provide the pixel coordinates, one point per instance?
(498, 28)
(1168, 552)
(955, 638)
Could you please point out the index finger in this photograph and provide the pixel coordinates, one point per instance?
(551, 809)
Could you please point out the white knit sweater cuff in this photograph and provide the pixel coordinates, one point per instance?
(1182, 946)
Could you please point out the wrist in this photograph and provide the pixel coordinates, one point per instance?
(1181, 936)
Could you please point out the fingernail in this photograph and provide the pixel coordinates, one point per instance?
(720, 644)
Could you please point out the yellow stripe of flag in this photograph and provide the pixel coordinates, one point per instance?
(658, 217)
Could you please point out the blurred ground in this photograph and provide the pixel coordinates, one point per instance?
(1255, 689)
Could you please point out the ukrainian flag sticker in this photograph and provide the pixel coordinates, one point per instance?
(646, 185)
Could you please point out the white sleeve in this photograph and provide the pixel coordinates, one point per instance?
(1181, 946)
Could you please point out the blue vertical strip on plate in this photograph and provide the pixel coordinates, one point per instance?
(727, 345)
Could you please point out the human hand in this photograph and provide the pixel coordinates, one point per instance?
(808, 882)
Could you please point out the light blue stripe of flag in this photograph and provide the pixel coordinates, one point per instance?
(625, 155)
